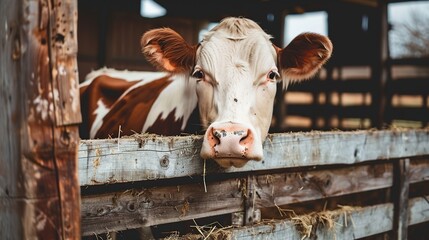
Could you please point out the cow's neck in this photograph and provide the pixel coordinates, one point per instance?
(175, 109)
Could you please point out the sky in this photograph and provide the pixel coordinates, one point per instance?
(401, 12)
(307, 22)
(151, 9)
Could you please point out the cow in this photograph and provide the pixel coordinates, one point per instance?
(224, 85)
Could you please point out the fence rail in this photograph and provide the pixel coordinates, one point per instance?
(353, 224)
(151, 180)
(152, 157)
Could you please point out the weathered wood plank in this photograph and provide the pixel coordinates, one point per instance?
(151, 206)
(64, 89)
(153, 157)
(419, 170)
(288, 188)
(418, 210)
(160, 205)
(65, 78)
(278, 189)
(360, 223)
(10, 145)
(39, 191)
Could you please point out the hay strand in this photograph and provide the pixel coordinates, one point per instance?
(204, 176)
(210, 231)
(119, 136)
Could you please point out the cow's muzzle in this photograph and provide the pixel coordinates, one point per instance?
(231, 144)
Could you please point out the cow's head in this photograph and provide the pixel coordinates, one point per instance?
(236, 68)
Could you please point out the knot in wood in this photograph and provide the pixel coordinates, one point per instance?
(103, 211)
(132, 206)
(164, 161)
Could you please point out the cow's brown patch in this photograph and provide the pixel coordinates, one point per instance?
(130, 112)
(168, 126)
(104, 88)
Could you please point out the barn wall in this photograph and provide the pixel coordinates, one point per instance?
(110, 32)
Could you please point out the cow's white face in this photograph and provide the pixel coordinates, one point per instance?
(236, 68)
(236, 76)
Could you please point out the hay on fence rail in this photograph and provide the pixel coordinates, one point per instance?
(307, 224)
(212, 231)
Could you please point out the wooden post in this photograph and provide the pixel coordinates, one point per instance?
(328, 97)
(39, 191)
(252, 214)
(401, 186)
(380, 73)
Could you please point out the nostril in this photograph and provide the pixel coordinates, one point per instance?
(242, 139)
(215, 137)
(244, 136)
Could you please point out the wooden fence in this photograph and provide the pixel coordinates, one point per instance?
(151, 180)
(349, 94)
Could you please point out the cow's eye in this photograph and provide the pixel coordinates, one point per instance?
(199, 74)
(273, 75)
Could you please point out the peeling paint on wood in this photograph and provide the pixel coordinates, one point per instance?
(39, 191)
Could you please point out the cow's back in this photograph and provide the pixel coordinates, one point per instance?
(129, 102)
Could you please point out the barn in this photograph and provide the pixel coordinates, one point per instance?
(346, 157)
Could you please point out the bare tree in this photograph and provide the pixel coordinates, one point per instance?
(411, 37)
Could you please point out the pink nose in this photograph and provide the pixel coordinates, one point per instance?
(229, 144)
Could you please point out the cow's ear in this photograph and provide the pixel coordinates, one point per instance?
(168, 51)
(304, 56)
